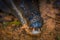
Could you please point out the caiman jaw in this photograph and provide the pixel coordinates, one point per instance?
(36, 21)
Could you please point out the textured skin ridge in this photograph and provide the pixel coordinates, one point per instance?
(30, 11)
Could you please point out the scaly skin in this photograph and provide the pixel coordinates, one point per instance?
(26, 10)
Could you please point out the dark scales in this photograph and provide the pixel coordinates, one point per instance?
(30, 10)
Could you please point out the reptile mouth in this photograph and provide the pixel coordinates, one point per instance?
(28, 13)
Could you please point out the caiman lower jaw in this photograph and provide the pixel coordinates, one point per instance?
(33, 31)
